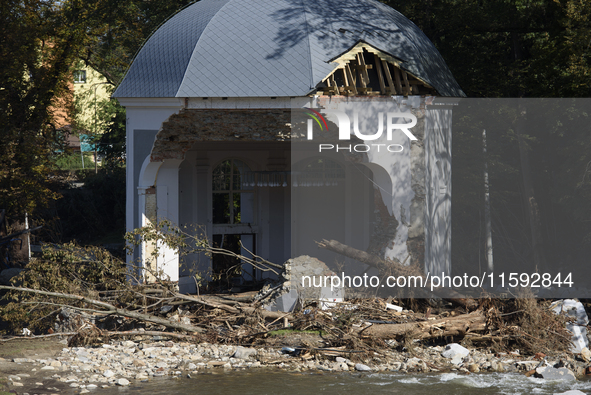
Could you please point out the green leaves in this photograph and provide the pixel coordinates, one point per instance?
(509, 48)
(40, 43)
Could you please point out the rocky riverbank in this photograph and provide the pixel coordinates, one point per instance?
(123, 363)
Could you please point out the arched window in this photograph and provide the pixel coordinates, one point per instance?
(233, 197)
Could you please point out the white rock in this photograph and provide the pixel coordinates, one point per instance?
(362, 368)
(551, 373)
(47, 368)
(571, 392)
(122, 382)
(455, 352)
(244, 352)
(108, 373)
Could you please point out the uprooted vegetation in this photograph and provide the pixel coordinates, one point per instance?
(88, 293)
(85, 292)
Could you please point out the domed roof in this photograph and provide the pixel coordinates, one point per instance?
(266, 48)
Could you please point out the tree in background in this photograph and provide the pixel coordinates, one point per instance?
(539, 176)
(35, 55)
(40, 42)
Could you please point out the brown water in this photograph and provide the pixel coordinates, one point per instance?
(262, 382)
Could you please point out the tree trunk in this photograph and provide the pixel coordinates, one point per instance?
(529, 200)
(451, 326)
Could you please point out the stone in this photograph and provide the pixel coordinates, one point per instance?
(7, 274)
(571, 392)
(191, 366)
(47, 368)
(455, 352)
(551, 373)
(139, 363)
(586, 354)
(122, 382)
(306, 266)
(413, 363)
(362, 368)
(108, 373)
(244, 352)
(474, 368)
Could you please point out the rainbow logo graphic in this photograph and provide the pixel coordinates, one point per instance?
(317, 117)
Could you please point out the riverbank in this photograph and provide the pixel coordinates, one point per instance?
(49, 366)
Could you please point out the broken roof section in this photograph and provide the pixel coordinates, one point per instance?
(266, 48)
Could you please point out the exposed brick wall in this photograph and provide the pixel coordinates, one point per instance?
(181, 131)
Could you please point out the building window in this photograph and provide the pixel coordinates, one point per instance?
(233, 197)
(80, 76)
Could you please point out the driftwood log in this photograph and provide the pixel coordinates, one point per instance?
(384, 267)
(450, 326)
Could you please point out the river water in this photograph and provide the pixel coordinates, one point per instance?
(279, 382)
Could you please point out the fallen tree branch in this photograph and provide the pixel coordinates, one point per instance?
(148, 333)
(38, 336)
(109, 308)
(238, 308)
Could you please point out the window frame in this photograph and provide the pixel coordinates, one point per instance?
(77, 74)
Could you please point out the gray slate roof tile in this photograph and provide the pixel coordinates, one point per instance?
(262, 48)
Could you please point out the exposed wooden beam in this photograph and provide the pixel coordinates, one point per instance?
(398, 81)
(406, 84)
(352, 86)
(389, 78)
(363, 72)
(380, 75)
